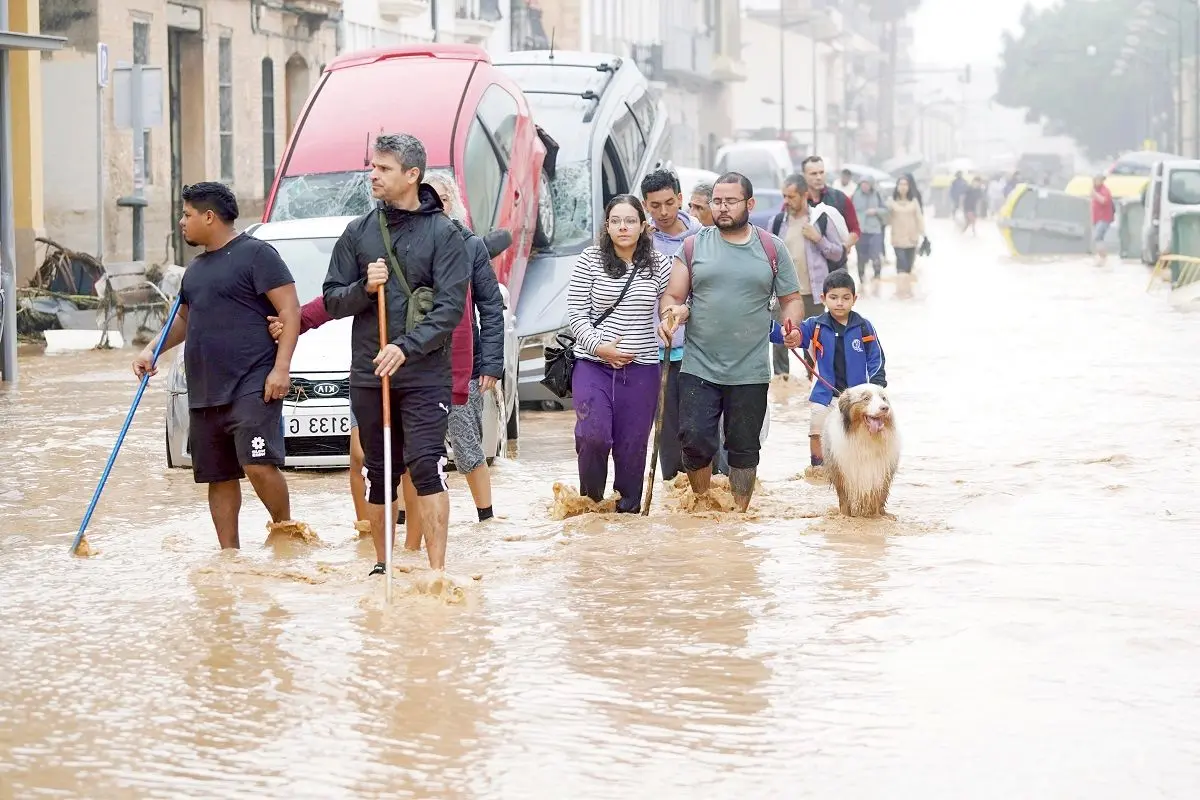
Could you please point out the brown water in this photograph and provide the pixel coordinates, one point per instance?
(1028, 627)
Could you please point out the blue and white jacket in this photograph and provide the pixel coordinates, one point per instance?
(865, 360)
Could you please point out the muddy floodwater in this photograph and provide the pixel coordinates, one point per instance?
(1028, 627)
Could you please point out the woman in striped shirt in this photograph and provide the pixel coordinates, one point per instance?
(616, 283)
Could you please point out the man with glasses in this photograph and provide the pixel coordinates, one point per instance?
(698, 206)
(724, 289)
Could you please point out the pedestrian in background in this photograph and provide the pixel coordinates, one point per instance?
(871, 209)
(698, 206)
(908, 229)
(1104, 212)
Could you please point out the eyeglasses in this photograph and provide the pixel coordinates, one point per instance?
(626, 222)
(721, 202)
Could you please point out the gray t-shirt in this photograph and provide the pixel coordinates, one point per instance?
(730, 325)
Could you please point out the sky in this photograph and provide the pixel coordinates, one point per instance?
(955, 32)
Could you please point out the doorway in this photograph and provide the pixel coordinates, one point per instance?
(185, 72)
(296, 82)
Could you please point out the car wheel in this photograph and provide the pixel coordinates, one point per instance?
(513, 432)
(167, 439)
(543, 235)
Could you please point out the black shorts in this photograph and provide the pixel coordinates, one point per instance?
(420, 417)
(224, 439)
(701, 407)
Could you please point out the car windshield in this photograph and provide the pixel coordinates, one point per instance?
(330, 194)
(1184, 188)
(308, 261)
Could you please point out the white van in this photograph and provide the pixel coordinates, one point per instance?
(1174, 190)
(765, 162)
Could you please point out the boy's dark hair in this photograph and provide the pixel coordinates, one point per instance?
(838, 279)
(811, 160)
(740, 180)
(658, 180)
(212, 196)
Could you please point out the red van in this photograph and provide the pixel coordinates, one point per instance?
(474, 122)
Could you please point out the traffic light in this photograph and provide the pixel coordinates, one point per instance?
(966, 74)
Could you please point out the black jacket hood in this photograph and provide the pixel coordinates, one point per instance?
(431, 203)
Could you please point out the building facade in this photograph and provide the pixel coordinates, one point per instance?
(388, 23)
(233, 76)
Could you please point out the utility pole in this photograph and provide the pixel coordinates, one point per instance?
(782, 76)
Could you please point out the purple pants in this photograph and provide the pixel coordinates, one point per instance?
(614, 412)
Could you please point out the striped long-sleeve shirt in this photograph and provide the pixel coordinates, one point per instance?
(592, 292)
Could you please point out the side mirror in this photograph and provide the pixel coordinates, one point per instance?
(498, 241)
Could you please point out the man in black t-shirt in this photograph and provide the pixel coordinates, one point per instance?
(237, 376)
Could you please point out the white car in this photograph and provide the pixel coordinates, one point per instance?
(316, 414)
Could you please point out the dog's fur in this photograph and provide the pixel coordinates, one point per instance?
(861, 448)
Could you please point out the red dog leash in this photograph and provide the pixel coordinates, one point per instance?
(788, 327)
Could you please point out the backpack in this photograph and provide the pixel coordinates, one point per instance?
(768, 245)
(822, 224)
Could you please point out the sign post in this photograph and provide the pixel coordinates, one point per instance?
(138, 105)
(101, 83)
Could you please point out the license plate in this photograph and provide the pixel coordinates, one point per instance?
(318, 425)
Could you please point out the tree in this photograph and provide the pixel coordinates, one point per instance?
(1060, 69)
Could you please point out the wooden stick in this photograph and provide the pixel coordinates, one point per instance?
(389, 521)
(658, 418)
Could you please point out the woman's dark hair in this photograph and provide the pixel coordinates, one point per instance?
(643, 252)
(911, 189)
(913, 192)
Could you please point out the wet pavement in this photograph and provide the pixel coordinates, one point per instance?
(1028, 627)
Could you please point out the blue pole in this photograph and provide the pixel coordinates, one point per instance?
(137, 398)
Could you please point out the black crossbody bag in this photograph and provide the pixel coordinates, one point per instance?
(560, 356)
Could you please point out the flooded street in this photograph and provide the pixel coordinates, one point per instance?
(1028, 627)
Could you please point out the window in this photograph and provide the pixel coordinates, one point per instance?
(484, 178)
(612, 173)
(628, 140)
(498, 110)
(645, 111)
(141, 55)
(268, 124)
(1184, 187)
(225, 102)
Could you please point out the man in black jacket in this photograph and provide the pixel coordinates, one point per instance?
(427, 246)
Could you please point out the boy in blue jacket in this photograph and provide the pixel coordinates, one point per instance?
(848, 352)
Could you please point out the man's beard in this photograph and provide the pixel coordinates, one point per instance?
(735, 224)
(190, 243)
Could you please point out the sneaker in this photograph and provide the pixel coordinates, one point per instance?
(379, 569)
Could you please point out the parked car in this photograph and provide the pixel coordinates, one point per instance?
(316, 414)
(1172, 211)
(689, 177)
(767, 163)
(473, 119)
(612, 130)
